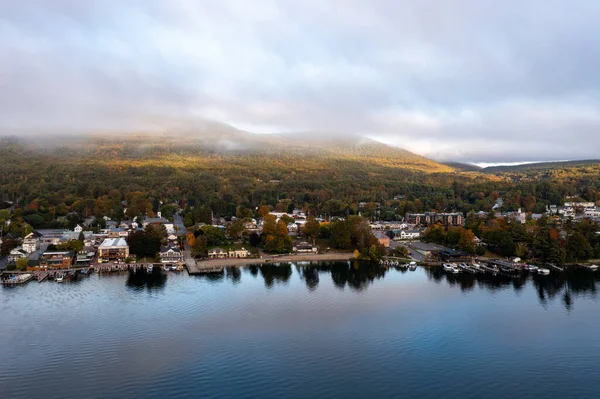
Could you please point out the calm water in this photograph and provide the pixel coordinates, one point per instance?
(313, 332)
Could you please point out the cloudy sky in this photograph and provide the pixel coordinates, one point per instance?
(464, 80)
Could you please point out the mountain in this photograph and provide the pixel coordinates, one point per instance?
(541, 166)
(227, 144)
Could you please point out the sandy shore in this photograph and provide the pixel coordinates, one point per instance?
(228, 262)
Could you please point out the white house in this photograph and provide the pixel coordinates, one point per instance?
(171, 254)
(31, 242)
(304, 247)
(217, 253)
(408, 235)
(17, 253)
(239, 253)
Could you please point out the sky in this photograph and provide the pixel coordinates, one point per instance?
(482, 81)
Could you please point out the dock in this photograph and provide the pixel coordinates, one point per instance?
(17, 279)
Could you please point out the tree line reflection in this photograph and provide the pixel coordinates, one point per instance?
(357, 276)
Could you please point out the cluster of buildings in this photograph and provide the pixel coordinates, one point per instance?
(575, 210)
(108, 245)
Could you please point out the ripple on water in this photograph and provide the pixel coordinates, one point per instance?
(415, 334)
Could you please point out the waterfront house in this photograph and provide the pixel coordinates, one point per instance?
(239, 253)
(113, 249)
(84, 258)
(304, 247)
(56, 260)
(171, 254)
(217, 253)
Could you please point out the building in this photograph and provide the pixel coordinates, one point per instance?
(56, 260)
(160, 220)
(217, 253)
(31, 242)
(304, 247)
(239, 253)
(118, 232)
(171, 254)
(428, 218)
(408, 235)
(16, 254)
(84, 258)
(113, 249)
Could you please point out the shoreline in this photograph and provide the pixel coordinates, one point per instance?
(211, 264)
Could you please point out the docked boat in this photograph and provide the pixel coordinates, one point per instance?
(455, 270)
(447, 267)
(60, 278)
(543, 271)
(149, 268)
(593, 267)
(412, 266)
(531, 268)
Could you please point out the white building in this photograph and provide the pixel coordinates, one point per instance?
(31, 242)
(113, 249)
(16, 254)
(408, 235)
(171, 254)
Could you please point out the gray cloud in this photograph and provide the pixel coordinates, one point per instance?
(467, 80)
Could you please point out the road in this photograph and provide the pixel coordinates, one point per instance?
(178, 224)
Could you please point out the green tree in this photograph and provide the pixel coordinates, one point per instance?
(578, 247)
(311, 228)
(214, 235)
(22, 263)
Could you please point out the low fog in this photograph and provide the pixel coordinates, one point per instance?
(468, 81)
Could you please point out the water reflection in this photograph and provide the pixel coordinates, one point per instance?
(566, 286)
(234, 274)
(141, 278)
(358, 276)
(273, 273)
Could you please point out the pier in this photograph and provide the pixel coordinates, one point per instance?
(16, 279)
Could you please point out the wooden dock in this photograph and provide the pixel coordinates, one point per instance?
(16, 279)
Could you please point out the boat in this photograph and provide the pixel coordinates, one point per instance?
(60, 278)
(447, 267)
(149, 268)
(455, 270)
(543, 271)
(412, 266)
(593, 267)
(531, 268)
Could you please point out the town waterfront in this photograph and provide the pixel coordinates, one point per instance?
(336, 329)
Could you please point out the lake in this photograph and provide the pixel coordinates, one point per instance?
(319, 331)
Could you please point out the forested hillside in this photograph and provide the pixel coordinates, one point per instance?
(68, 178)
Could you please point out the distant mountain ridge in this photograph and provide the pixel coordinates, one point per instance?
(232, 143)
(540, 166)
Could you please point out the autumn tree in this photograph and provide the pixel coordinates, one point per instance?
(311, 228)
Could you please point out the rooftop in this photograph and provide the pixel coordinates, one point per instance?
(113, 242)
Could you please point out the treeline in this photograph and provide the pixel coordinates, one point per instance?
(542, 241)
